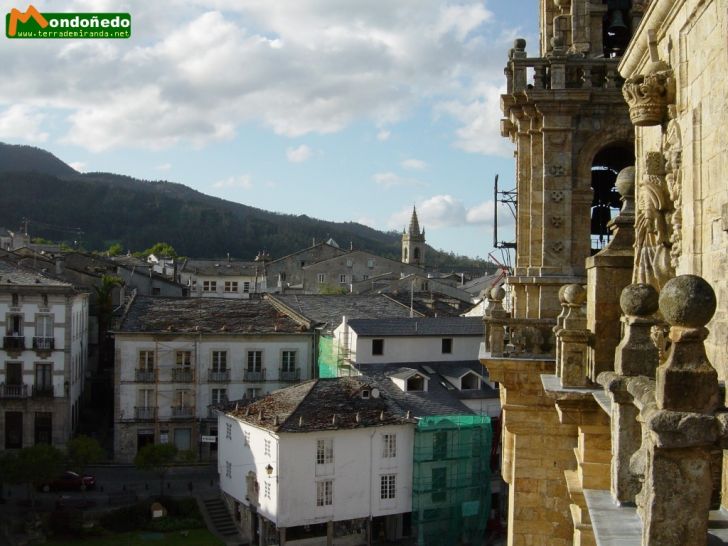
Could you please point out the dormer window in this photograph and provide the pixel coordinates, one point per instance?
(470, 382)
(416, 383)
(365, 394)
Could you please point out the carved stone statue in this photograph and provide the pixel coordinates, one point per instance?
(653, 227)
(672, 150)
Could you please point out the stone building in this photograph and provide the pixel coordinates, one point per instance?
(613, 421)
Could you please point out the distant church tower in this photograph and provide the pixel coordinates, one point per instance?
(413, 242)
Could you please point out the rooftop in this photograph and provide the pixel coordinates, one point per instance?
(222, 267)
(423, 326)
(207, 315)
(329, 310)
(12, 275)
(322, 404)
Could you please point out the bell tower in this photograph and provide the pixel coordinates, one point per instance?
(413, 242)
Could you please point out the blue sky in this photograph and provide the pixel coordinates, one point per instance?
(346, 110)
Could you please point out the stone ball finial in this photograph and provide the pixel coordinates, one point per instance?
(574, 294)
(625, 181)
(519, 44)
(497, 293)
(562, 294)
(687, 300)
(639, 300)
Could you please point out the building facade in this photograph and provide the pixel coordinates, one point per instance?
(43, 357)
(223, 278)
(177, 359)
(601, 436)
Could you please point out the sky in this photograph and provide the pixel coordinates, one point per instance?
(344, 110)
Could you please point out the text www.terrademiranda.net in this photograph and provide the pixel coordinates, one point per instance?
(75, 33)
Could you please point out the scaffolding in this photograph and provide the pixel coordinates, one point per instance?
(327, 357)
(451, 479)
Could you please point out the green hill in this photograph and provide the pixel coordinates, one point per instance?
(109, 208)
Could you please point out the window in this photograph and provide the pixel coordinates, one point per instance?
(321, 278)
(370, 263)
(16, 300)
(219, 396)
(342, 279)
(219, 361)
(183, 438)
(266, 447)
(15, 326)
(416, 383)
(324, 493)
(229, 431)
(288, 361)
(228, 469)
(388, 486)
(246, 437)
(43, 427)
(231, 286)
(43, 377)
(146, 360)
(44, 326)
(266, 490)
(146, 398)
(390, 446)
(377, 346)
(325, 451)
(439, 445)
(246, 287)
(349, 262)
(447, 345)
(209, 286)
(439, 484)
(156, 291)
(252, 392)
(470, 382)
(183, 358)
(255, 359)
(364, 277)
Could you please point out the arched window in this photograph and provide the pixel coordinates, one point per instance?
(417, 253)
(605, 203)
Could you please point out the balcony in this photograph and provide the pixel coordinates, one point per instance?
(253, 375)
(43, 391)
(145, 413)
(182, 412)
(218, 376)
(13, 343)
(13, 391)
(289, 375)
(44, 343)
(144, 376)
(182, 375)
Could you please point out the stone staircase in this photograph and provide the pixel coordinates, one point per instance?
(220, 521)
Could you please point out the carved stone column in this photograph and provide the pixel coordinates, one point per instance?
(678, 479)
(573, 339)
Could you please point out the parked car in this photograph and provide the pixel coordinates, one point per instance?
(69, 481)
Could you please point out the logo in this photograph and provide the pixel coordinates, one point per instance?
(33, 24)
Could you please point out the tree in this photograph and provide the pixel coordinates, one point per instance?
(156, 458)
(161, 249)
(84, 451)
(115, 249)
(35, 466)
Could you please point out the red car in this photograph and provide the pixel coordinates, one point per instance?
(70, 481)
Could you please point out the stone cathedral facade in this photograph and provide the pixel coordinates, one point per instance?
(612, 356)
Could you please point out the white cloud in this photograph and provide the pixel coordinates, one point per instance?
(298, 154)
(195, 73)
(20, 122)
(234, 182)
(448, 211)
(414, 164)
(79, 166)
(164, 166)
(389, 180)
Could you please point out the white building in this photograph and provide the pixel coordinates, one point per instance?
(43, 357)
(316, 462)
(177, 357)
(371, 341)
(223, 278)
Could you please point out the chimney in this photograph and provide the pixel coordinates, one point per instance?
(60, 265)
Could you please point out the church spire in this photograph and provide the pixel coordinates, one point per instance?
(414, 225)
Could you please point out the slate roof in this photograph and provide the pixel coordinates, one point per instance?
(12, 275)
(321, 404)
(207, 315)
(441, 398)
(222, 267)
(431, 304)
(423, 326)
(329, 310)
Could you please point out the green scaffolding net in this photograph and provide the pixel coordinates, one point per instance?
(451, 479)
(327, 358)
